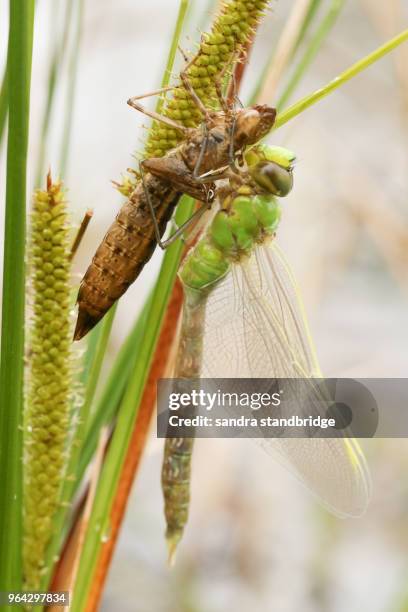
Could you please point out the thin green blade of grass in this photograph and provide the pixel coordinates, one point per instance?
(72, 82)
(311, 51)
(307, 101)
(12, 333)
(91, 348)
(54, 74)
(308, 22)
(3, 104)
(99, 520)
(95, 370)
(109, 401)
(183, 11)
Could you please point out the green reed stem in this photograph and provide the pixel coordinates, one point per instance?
(12, 333)
(106, 490)
(311, 51)
(3, 104)
(345, 76)
(184, 6)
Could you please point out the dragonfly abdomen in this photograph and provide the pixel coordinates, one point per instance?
(177, 451)
(126, 248)
(176, 474)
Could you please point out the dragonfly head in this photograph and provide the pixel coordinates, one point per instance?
(271, 168)
(252, 124)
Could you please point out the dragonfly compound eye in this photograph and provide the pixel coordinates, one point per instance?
(272, 177)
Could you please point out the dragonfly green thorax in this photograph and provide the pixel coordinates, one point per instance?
(249, 214)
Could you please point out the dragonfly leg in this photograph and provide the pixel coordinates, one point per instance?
(226, 103)
(226, 107)
(156, 116)
(149, 203)
(155, 92)
(232, 94)
(166, 243)
(183, 53)
(190, 89)
(213, 175)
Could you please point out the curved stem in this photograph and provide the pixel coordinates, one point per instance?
(345, 76)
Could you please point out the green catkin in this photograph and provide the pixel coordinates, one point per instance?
(232, 29)
(50, 377)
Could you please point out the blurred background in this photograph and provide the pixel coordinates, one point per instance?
(257, 540)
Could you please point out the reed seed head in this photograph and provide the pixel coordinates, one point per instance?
(49, 388)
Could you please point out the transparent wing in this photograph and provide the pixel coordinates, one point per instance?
(255, 327)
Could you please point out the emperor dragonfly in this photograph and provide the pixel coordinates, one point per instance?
(244, 318)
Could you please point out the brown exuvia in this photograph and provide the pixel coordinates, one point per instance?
(191, 168)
